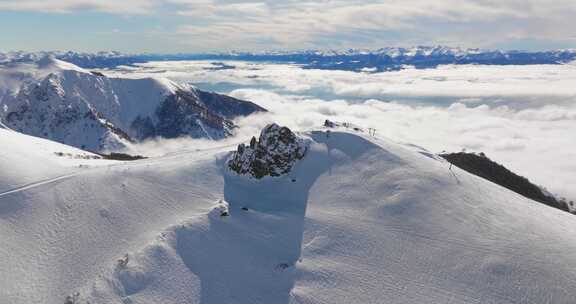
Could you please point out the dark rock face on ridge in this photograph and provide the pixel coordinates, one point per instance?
(185, 113)
(226, 106)
(486, 168)
(273, 154)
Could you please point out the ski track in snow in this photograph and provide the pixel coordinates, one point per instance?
(38, 184)
(126, 164)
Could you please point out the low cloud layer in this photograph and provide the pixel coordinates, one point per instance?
(515, 86)
(521, 116)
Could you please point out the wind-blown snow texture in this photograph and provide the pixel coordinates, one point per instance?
(357, 220)
(65, 103)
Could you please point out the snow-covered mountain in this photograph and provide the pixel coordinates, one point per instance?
(357, 219)
(383, 59)
(417, 51)
(86, 60)
(57, 100)
(396, 58)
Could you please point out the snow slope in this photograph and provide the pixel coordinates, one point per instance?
(358, 220)
(26, 160)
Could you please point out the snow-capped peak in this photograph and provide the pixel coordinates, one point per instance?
(89, 110)
(51, 64)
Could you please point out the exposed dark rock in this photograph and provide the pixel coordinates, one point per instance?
(121, 156)
(95, 73)
(227, 106)
(186, 113)
(329, 124)
(143, 128)
(97, 117)
(274, 154)
(484, 167)
(182, 114)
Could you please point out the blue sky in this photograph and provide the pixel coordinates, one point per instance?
(171, 26)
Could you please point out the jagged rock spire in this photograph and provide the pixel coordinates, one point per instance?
(273, 154)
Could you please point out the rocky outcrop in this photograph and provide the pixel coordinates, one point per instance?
(481, 165)
(273, 154)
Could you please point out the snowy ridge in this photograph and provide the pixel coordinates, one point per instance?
(62, 102)
(358, 219)
(27, 160)
(49, 63)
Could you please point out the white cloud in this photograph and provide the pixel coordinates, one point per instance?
(67, 6)
(513, 86)
(297, 24)
(521, 116)
(253, 24)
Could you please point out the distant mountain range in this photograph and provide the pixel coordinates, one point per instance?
(384, 59)
(390, 59)
(57, 100)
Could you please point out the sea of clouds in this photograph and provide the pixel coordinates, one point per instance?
(523, 117)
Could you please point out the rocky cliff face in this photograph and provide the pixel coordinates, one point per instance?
(273, 154)
(183, 113)
(484, 167)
